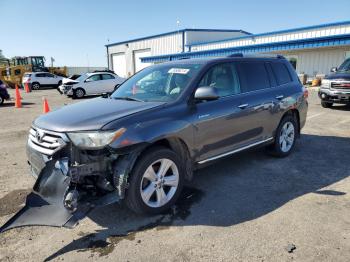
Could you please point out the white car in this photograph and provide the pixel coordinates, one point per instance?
(41, 79)
(91, 84)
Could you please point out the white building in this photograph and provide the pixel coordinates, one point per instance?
(124, 57)
(313, 50)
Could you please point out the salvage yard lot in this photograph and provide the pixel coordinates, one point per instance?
(248, 207)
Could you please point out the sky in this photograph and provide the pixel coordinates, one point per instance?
(75, 33)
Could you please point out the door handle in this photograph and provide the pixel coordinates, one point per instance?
(279, 97)
(242, 106)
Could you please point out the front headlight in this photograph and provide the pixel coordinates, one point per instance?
(325, 83)
(95, 139)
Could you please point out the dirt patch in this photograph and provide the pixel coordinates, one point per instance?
(103, 245)
(13, 201)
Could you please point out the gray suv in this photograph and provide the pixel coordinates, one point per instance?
(143, 142)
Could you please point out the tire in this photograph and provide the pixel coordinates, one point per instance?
(285, 137)
(78, 93)
(59, 83)
(35, 86)
(153, 187)
(326, 104)
(1, 100)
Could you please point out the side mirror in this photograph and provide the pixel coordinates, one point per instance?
(206, 93)
(334, 69)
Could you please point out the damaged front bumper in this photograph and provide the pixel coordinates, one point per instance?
(69, 182)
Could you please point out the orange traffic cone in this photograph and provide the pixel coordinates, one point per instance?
(17, 88)
(46, 107)
(18, 102)
(26, 87)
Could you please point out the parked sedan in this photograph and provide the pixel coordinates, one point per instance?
(91, 84)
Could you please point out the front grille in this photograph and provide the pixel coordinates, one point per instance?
(46, 142)
(341, 85)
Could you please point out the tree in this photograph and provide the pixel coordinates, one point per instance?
(3, 59)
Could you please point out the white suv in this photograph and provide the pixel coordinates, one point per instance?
(91, 84)
(41, 79)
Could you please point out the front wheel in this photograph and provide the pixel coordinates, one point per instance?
(156, 182)
(36, 86)
(1, 100)
(326, 104)
(285, 137)
(78, 93)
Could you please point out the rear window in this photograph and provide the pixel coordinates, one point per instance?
(253, 76)
(281, 73)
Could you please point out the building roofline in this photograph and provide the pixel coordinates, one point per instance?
(274, 32)
(177, 32)
(290, 43)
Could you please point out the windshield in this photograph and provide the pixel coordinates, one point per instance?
(162, 83)
(345, 66)
(81, 78)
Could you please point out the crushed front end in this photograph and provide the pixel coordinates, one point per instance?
(70, 181)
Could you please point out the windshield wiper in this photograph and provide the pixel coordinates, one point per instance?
(128, 98)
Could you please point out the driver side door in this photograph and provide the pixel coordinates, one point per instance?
(216, 127)
(92, 85)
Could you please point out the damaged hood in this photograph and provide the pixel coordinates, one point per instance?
(91, 114)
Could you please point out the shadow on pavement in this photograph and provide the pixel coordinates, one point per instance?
(232, 191)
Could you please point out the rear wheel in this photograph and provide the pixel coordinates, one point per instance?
(285, 137)
(78, 93)
(326, 104)
(1, 100)
(156, 182)
(36, 86)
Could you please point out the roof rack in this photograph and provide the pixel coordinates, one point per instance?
(101, 71)
(257, 55)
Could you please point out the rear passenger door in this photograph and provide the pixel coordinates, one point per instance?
(108, 83)
(257, 101)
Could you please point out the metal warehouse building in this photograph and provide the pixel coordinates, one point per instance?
(312, 50)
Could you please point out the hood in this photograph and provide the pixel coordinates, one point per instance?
(339, 75)
(68, 80)
(92, 114)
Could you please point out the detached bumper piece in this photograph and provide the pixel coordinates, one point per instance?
(47, 204)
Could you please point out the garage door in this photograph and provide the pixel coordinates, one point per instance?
(119, 64)
(137, 55)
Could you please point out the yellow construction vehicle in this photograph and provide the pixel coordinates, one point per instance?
(13, 72)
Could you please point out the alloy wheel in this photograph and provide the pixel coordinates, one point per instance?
(287, 136)
(79, 93)
(36, 86)
(159, 183)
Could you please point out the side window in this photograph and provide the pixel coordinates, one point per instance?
(253, 76)
(107, 76)
(224, 78)
(40, 75)
(93, 78)
(281, 73)
(49, 75)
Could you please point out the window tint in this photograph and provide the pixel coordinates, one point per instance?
(253, 76)
(224, 78)
(107, 76)
(93, 78)
(40, 75)
(281, 73)
(49, 75)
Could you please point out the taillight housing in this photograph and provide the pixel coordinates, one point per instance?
(306, 92)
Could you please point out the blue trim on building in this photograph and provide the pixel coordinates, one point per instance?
(275, 32)
(259, 48)
(177, 32)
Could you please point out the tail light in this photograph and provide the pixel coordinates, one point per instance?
(306, 93)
